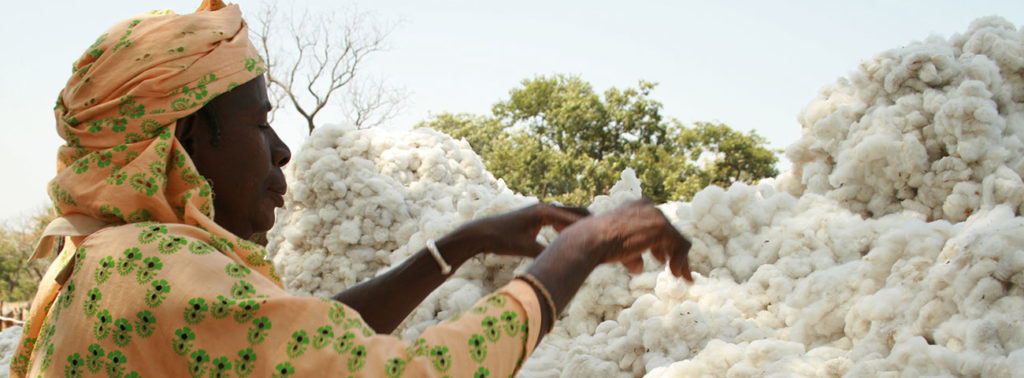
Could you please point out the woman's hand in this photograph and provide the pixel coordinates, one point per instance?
(620, 235)
(515, 233)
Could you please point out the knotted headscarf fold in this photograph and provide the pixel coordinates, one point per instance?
(117, 113)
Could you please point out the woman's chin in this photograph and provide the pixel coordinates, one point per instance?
(265, 221)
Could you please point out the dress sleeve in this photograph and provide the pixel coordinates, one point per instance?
(147, 302)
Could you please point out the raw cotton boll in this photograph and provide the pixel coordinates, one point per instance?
(816, 310)
(8, 344)
(1003, 187)
(604, 295)
(983, 336)
(964, 122)
(717, 356)
(764, 353)
(965, 199)
(625, 190)
(583, 366)
(1015, 363)
(786, 182)
(455, 296)
(312, 261)
(347, 232)
(871, 319)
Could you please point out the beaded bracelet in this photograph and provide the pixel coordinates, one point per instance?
(535, 283)
(432, 247)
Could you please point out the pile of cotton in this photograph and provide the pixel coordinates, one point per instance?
(935, 127)
(9, 338)
(813, 289)
(895, 246)
(361, 201)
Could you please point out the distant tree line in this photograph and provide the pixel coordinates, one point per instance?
(556, 138)
(19, 277)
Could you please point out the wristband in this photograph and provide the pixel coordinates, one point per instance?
(432, 247)
(537, 286)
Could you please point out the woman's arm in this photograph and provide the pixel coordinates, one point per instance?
(384, 301)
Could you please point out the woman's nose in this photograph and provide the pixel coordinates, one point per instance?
(279, 152)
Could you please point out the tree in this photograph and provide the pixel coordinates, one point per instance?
(371, 102)
(722, 156)
(556, 138)
(19, 277)
(317, 56)
(479, 131)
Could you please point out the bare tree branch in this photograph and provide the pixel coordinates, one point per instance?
(328, 55)
(371, 102)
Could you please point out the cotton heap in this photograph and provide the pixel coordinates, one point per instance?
(368, 199)
(8, 343)
(935, 127)
(896, 244)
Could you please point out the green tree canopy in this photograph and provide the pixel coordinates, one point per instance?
(558, 139)
(18, 276)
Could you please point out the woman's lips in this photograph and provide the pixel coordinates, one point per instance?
(276, 191)
(277, 198)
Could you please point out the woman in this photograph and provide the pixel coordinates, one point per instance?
(165, 119)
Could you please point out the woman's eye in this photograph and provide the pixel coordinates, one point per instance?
(264, 126)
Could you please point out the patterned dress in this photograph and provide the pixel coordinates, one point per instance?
(152, 300)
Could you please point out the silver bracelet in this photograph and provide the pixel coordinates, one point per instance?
(432, 247)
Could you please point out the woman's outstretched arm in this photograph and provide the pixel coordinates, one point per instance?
(384, 301)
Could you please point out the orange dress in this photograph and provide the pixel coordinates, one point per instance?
(151, 299)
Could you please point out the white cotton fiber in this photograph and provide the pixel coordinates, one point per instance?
(360, 201)
(921, 128)
(895, 246)
(8, 345)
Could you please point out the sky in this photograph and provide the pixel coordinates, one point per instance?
(753, 65)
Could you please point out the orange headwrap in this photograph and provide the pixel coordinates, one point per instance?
(117, 113)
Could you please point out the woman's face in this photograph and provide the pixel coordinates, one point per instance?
(244, 168)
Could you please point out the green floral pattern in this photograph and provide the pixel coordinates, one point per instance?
(221, 319)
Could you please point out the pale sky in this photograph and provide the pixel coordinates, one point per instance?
(749, 64)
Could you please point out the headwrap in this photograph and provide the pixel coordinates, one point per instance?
(121, 162)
